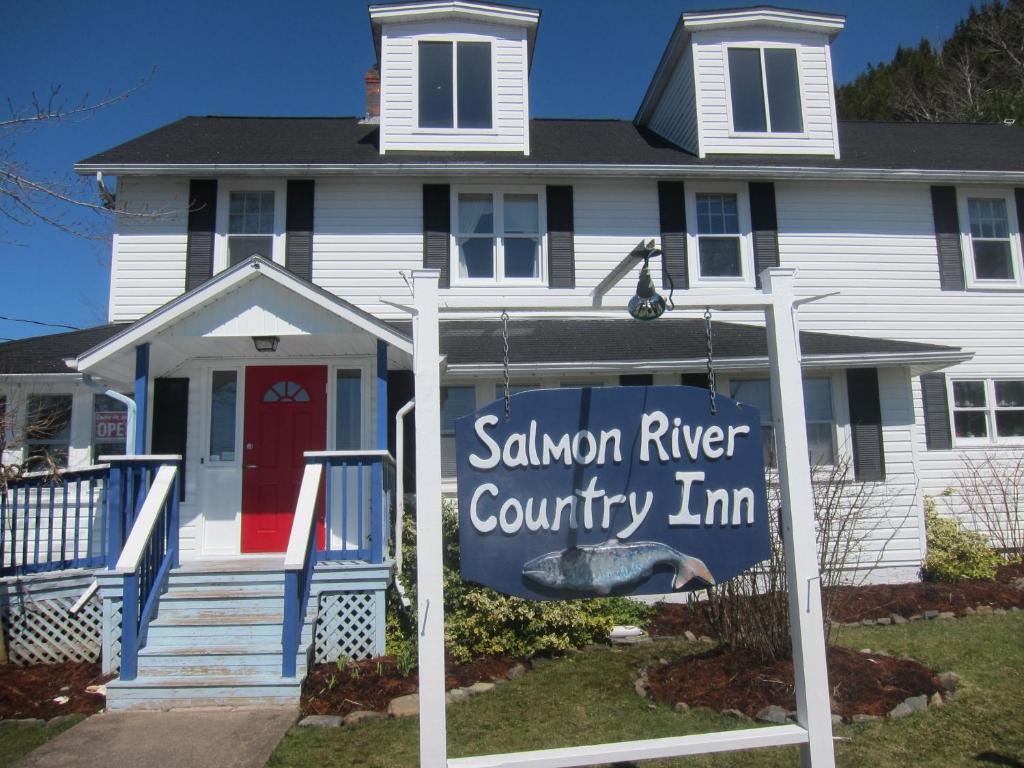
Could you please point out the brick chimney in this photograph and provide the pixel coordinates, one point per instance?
(372, 79)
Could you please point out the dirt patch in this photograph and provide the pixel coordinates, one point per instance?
(30, 691)
(371, 684)
(870, 684)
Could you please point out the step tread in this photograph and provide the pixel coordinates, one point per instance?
(213, 619)
(241, 649)
(223, 681)
(220, 593)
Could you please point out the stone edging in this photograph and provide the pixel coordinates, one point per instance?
(895, 618)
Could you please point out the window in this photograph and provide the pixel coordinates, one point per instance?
(760, 78)
(454, 84)
(109, 427)
(818, 409)
(498, 236)
(250, 225)
(991, 246)
(988, 410)
(348, 411)
(223, 400)
(718, 235)
(455, 402)
(47, 431)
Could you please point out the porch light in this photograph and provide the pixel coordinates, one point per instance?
(265, 343)
(647, 303)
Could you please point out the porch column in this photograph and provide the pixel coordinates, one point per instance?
(377, 543)
(141, 397)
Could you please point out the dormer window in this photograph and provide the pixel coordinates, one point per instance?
(764, 86)
(454, 84)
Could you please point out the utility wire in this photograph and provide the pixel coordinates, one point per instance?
(40, 322)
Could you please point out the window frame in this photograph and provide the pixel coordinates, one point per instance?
(745, 236)
(454, 39)
(239, 372)
(28, 442)
(963, 194)
(992, 438)
(761, 47)
(443, 433)
(94, 442)
(498, 196)
(224, 189)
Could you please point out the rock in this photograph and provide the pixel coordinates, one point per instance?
(859, 718)
(705, 639)
(690, 637)
(681, 707)
(916, 617)
(65, 689)
(868, 622)
(897, 619)
(456, 696)
(999, 611)
(60, 719)
(836, 719)
(99, 690)
(515, 672)
(885, 622)
(477, 688)
(950, 681)
(1018, 583)
(909, 706)
(361, 716)
(640, 686)
(900, 710)
(405, 706)
(1014, 608)
(947, 615)
(865, 650)
(931, 614)
(984, 610)
(61, 700)
(882, 653)
(772, 714)
(28, 721)
(936, 700)
(968, 611)
(320, 721)
(734, 713)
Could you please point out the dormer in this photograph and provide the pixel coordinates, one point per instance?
(748, 81)
(454, 76)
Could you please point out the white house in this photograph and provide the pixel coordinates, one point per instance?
(255, 305)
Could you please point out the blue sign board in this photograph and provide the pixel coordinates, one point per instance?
(610, 491)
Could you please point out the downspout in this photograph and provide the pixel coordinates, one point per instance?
(400, 497)
(95, 386)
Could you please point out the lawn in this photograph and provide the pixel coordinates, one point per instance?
(18, 739)
(589, 698)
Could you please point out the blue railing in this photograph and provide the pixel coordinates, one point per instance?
(349, 520)
(150, 549)
(54, 522)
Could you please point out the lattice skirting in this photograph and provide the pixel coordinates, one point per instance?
(349, 624)
(44, 632)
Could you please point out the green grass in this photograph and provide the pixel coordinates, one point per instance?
(18, 739)
(589, 698)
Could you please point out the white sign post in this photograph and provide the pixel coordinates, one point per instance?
(813, 729)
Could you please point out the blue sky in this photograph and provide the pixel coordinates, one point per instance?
(594, 58)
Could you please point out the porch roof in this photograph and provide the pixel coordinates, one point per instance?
(218, 319)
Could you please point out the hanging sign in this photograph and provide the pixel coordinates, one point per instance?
(610, 491)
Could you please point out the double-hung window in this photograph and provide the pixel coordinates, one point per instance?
(764, 90)
(497, 236)
(988, 410)
(47, 431)
(719, 224)
(818, 409)
(250, 225)
(990, 242)
(455, 402)
(455, 84)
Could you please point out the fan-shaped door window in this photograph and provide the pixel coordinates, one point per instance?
(286, 392)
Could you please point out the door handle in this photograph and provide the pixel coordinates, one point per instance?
(252, 466)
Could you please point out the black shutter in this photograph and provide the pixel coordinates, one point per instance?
(170, 417)
(672, 214)
(699, 380)
(866, 423)
(636, 380)
(937, 434)
(202, 221)
(298, 243)
(437, 229)
(947, 239)
(1018, 194)
(764, 226)
(561, 231)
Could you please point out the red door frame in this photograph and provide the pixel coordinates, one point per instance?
(285, 414)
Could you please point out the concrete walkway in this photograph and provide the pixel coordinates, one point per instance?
(199, 738)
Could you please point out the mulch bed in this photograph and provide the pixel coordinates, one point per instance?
(30, 691)
(869, 684)
(371, 684)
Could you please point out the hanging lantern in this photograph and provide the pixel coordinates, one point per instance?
(647, 304)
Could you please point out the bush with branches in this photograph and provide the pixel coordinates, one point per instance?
(992, 491)
(955, 554)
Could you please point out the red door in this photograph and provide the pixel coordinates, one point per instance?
(285, 414)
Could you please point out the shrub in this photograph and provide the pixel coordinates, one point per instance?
(992, 490)
(479, 620)
(955, 554)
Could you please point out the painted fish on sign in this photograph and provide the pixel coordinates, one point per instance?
(610, 491)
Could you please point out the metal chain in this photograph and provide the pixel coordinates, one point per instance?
(711, 357)
(504, 341)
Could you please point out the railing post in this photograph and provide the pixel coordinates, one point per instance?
(173, 515)
(141, 396)
(115, 504)
(292, 626)
(130, 627)
(377, 472)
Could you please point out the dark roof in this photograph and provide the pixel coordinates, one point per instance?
(344, 140)
(46, 354)
(478, 342)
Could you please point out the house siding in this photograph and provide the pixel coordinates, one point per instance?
(675, 116)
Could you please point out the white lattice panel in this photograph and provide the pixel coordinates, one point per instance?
(345, 626)
(45, 632)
